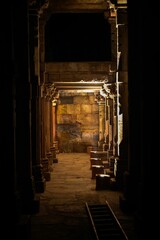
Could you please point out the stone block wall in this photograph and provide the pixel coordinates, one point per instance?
(77, 122)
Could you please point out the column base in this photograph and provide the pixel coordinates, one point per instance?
(102, 181)
(55, 160)
(113, 184)
(23, 228)
(40, 182)
(46, 169)
(47, 176)
(31, 206)
(50, 161)
(40, 186)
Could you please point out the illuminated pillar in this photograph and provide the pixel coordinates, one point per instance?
(101, 105)
(49, 127)
(53, 148)
(45, 138)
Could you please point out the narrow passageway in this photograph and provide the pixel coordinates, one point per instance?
(62, 212)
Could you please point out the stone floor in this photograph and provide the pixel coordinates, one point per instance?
(62, 212)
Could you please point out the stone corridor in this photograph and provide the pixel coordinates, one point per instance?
(62, 212)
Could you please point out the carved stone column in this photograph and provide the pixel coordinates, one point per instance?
(108, 123)
(54, 147)
(44, 159)
(101, 105)
(110, 14)
(54, 119)
(48, 128)
(34, 15)
(111, 124)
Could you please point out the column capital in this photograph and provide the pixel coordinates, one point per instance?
(51, 93)
(38, 6)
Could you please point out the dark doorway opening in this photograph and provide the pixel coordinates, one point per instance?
(77, 37)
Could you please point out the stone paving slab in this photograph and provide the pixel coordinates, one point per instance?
(62, 206)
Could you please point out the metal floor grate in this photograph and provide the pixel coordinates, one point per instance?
(104, 222)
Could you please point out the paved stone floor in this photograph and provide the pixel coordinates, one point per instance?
(62, 212)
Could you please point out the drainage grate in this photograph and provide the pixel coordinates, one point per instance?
(104, 222)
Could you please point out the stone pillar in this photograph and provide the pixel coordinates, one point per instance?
(123, 91)
(111, 125)
(49, 134)
(143, 114)
(112, 21)
(36, 99)
(54, 120)
(115, 131)
(52, 126)
(48, 124)
(121, 98)
(101, 105)
(44, 158)
(10, 195)
(23, 139)
(53, 148)
(108, 119)
(108, 123)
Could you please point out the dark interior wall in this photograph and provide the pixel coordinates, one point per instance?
(78, 37)
(77, 123)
